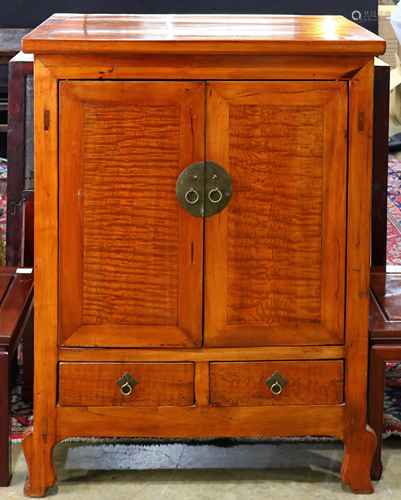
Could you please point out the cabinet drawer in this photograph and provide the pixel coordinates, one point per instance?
(308, 383)
(157, 384)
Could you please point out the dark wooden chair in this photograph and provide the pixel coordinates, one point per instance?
(385, 346)
(20, 194)
(381, 350)
(16, 320)
(380, 163)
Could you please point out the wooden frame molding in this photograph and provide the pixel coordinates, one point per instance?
(331, 97)
(75, 98)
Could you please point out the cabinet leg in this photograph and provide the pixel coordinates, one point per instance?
(355, 469)
(38, 453)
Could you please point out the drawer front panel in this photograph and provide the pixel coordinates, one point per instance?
(94, 384)
(308, 382)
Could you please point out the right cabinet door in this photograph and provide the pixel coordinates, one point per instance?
(275, 257)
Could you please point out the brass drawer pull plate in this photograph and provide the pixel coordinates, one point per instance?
(126, 383)
(204, 189)
(276, 383)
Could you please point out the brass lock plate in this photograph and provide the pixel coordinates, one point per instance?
(276, 383)
(204, 188)
(126, 383)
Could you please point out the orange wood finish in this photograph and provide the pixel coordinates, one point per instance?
(42, 473)
(244, 384)
(124, 271)
(360, 440)
(284, 103)
(194, 421)
(94, 384)
(210, 66)
(206, 354)
(275, 259)
(181, 34)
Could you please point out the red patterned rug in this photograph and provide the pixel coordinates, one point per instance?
(22, 415)
(394, 212)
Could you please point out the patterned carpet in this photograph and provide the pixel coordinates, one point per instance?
(22, 412)
(394, 212)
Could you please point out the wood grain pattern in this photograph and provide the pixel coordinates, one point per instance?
(359, 439)
(180, 34)
(270, 257)
(309, 382)
(94, 384)
(40, 443)
(334, 212)
(193, 421)
(203, 355)
(241, 50)
(130, 215)
(131, 263)
(71, 203)
(274, 217)
(204, 67)
(202, 377)
(131, 336)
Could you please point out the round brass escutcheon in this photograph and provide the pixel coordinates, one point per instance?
(126, 389)
(276, 388)
(215, 195)
(192, 196)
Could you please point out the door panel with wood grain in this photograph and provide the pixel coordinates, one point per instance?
(274, 273)
(130, 256)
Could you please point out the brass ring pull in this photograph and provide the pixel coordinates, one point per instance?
(215, 190)
(126, 389)
(276, 388)
(192, 202)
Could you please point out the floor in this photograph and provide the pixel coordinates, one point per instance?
(224, 470)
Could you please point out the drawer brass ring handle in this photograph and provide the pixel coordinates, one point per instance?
(215, 190)
(126, 389)
(276, 388)
(193, 201)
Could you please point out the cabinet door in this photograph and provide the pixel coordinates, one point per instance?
(130, 257)
(275, 258)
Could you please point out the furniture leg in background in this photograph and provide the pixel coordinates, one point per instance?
(20, 194)
(16, 316)
(385, 346)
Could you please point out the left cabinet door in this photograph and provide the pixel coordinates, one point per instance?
(130, 258)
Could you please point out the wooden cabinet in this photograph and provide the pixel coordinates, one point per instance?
(249, 322)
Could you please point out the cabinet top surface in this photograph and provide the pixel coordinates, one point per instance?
(201, 34)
